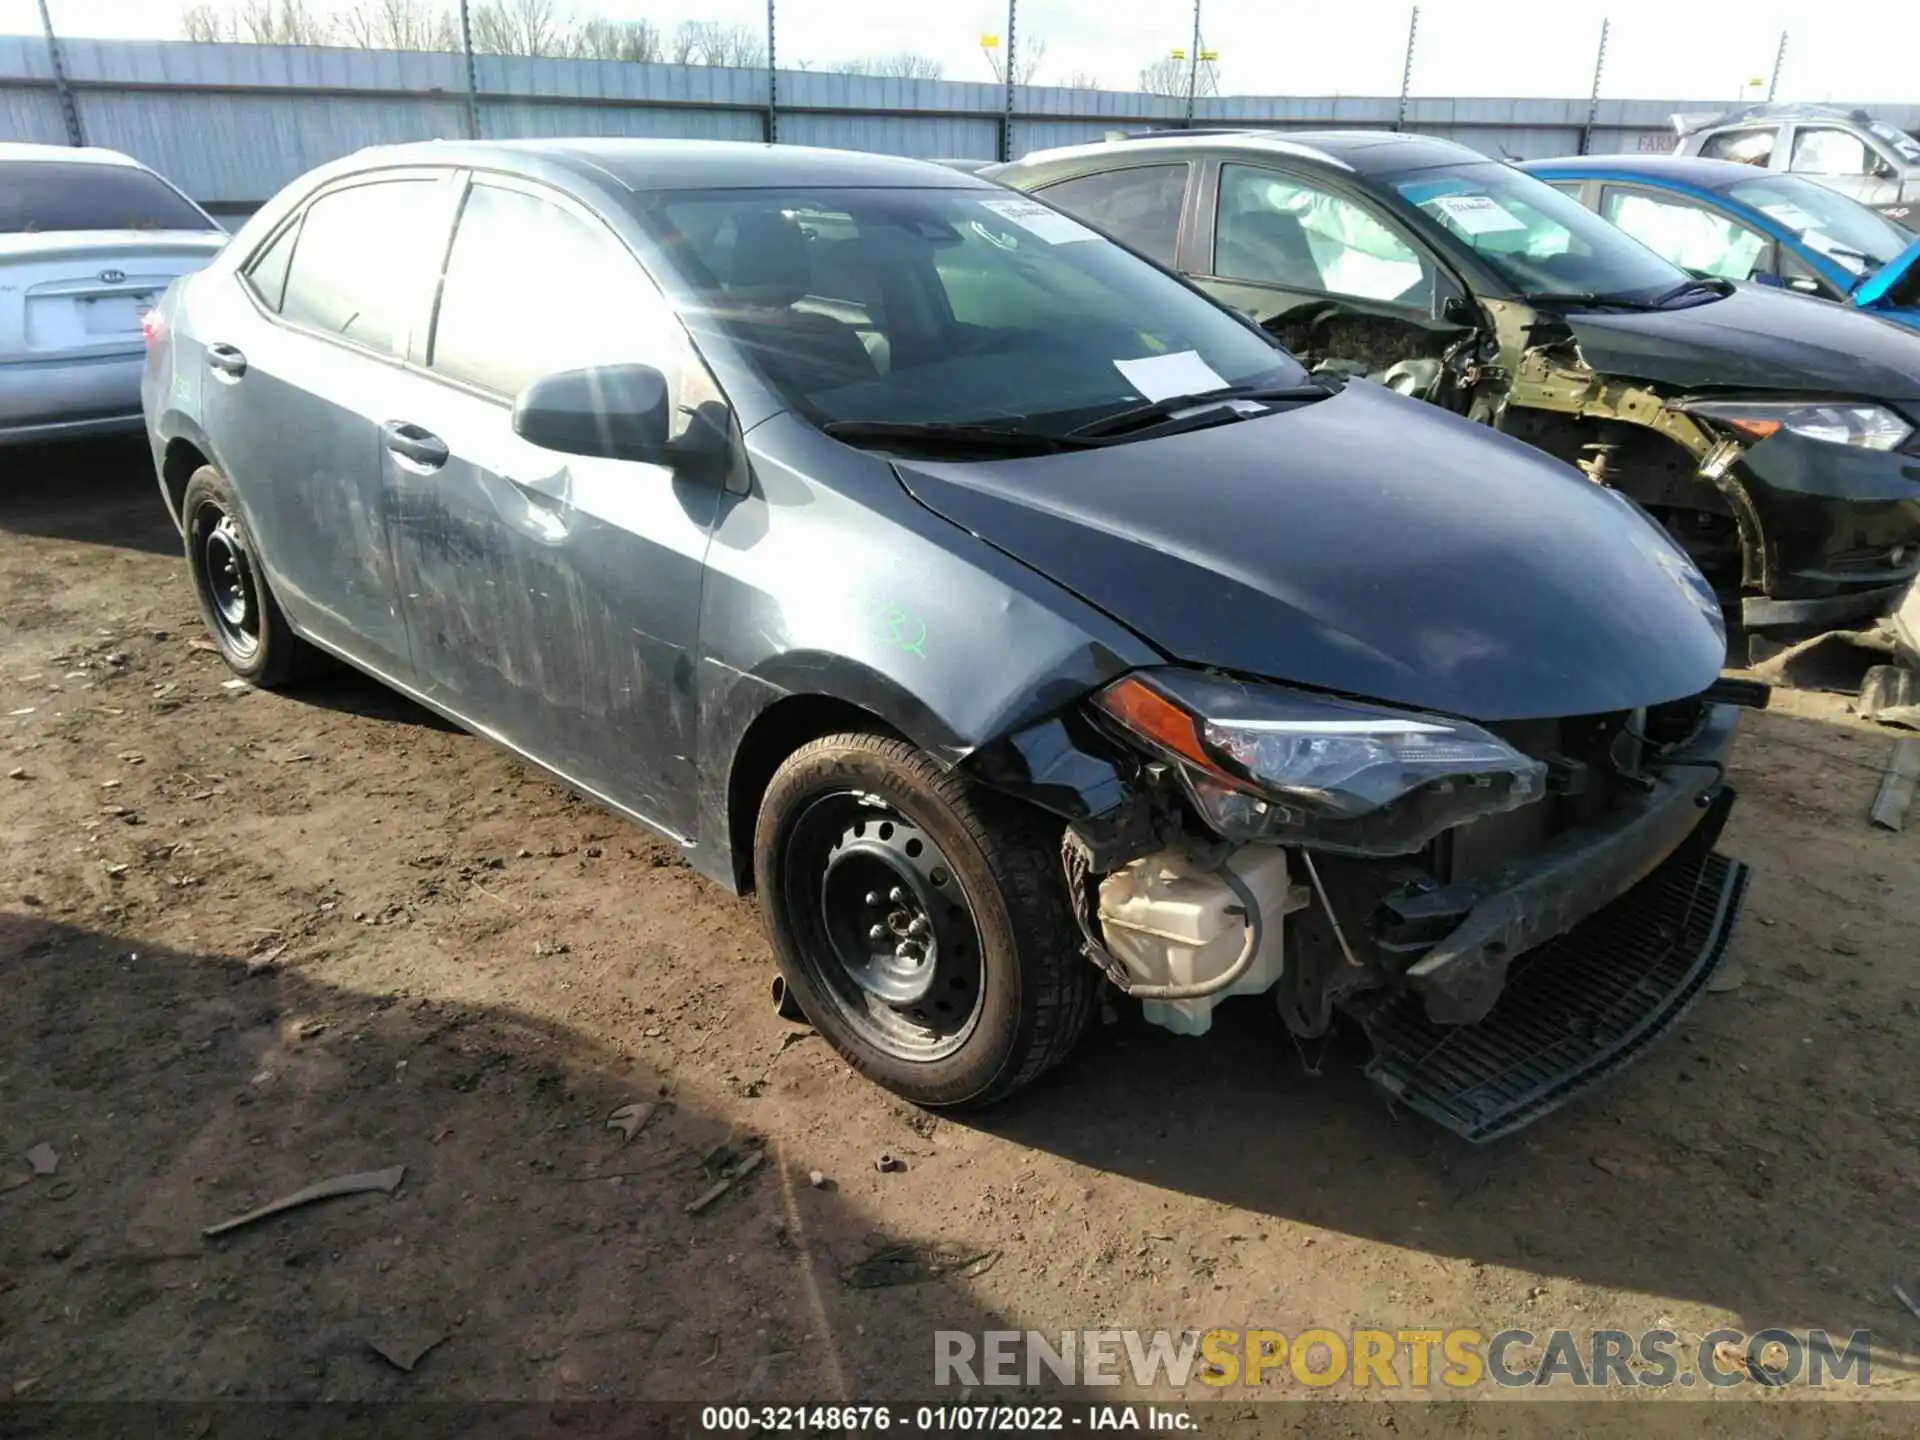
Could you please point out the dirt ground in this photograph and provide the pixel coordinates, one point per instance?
(251, 941)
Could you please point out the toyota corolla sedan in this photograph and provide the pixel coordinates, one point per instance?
(1011, 618)
(1777, 438)
(88, 240)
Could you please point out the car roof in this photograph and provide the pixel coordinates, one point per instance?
(17, 150)
(680, 164)
(1695, 170)
(1363, 152)
(1784, 110)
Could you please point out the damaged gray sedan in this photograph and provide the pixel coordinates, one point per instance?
(1009, 616)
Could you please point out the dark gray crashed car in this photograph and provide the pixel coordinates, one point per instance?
(1004, 612)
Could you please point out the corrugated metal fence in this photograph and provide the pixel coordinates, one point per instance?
(231, 124)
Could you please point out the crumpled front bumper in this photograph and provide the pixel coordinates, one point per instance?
(1575, 875)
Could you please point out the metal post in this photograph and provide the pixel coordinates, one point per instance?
(473, 74)
(1779, 59)
(1406, 72)
(1006, 120)
(1593, 103)
(773, 82)
(60, 86)
(1193, 63)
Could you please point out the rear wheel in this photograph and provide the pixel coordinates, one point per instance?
(921, 924)
(235, 601)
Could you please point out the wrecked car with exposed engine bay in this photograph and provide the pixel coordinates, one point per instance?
(1777, 438)
(1018, 623)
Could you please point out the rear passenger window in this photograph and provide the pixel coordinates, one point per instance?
(268, 272)
(1749, 147)
(531, 289)
(1139, 206)
(357, 268)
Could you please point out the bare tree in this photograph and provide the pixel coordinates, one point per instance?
(709, 42)
(400, 25)
(902, 66)
(1082, 80)
(1025, 65)
(206, 23)
(518, 27)
(1168, 76)
(638, 42)
(264, 22)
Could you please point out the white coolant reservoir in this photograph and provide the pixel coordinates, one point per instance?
(1168, 923)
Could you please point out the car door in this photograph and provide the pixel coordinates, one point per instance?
(1844, 160)
(1332, 279)
(300, 356)
(1692, 234)
(552, 600)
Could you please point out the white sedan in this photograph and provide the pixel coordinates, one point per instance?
(88, 240)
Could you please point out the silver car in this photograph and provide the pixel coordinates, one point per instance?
(1850, 151)
(88, 240)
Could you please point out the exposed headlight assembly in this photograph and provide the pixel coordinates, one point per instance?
(1286, 767)
(1865, 427)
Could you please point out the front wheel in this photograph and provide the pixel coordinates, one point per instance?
(921, 924)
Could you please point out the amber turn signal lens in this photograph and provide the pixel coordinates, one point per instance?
(1758, 429)
(1153, 717)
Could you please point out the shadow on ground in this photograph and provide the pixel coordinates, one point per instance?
(98, 492)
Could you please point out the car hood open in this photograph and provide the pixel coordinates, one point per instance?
(1367, 544)
(1895, 285)
(1754, 339)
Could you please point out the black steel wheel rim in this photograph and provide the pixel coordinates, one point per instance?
(226, 570)
(885, 929)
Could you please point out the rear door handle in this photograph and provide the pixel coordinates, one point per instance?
(227, 360)
(410, 442)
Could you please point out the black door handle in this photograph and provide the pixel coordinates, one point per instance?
(411, 442)
(227, 360)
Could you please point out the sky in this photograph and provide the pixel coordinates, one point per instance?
(1863, 52)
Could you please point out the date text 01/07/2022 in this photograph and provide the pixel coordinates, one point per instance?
(945, 1418)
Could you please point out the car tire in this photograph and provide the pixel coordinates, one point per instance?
(236, 603)
(921, 923)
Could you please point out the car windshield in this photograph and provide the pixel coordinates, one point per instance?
(1905, 144)
(946, 307)
(1837, 226)
(49, 195)
(1537, 239)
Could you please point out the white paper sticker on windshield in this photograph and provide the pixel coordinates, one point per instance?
(1050, 225)
(1162, 377)
(1476, 214)
(1790, 215)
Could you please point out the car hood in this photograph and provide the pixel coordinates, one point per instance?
(1754, 339)
(1368, 544)
(1895, 285)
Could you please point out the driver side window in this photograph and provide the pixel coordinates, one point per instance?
(1827, 151)
(1275, 229)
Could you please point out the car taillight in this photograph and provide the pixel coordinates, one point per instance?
(152, 327)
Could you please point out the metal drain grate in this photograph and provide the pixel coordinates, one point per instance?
(1572, 1012)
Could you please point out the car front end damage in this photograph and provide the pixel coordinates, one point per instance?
(1802, 506)
(1509, 911)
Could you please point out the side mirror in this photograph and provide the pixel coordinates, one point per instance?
(1883, 169)
(1458, 310)
(616, 412)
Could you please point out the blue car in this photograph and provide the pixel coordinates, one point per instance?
(1725, 219)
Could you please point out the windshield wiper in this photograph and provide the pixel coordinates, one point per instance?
(1139, 417)
(1576, 299)
(1711, 284)
(991, 439)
